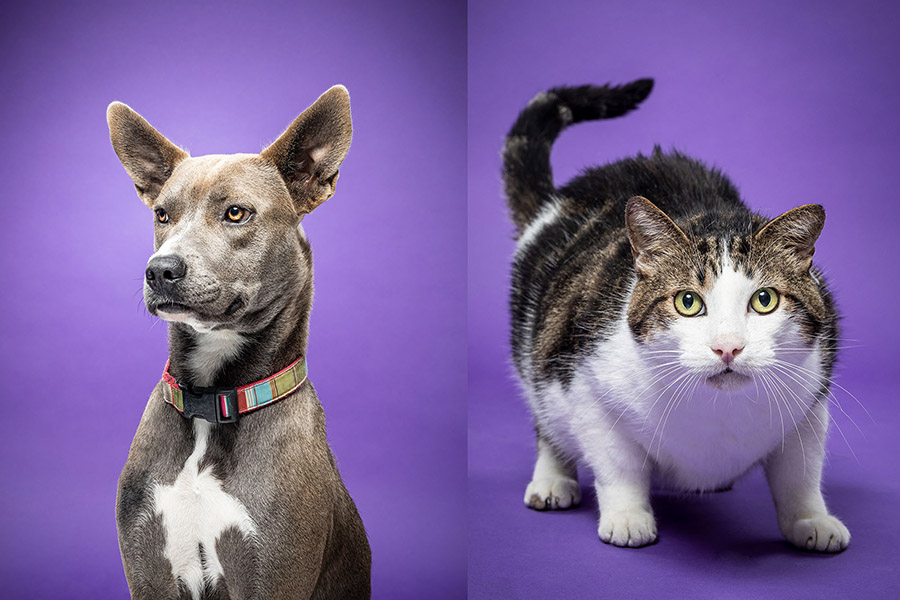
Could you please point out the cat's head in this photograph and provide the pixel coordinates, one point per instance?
(726, 296)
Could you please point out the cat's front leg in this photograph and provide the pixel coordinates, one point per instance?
(795, 479)
(554, 484)
(622, 482)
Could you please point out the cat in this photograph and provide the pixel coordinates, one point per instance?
(663, 333)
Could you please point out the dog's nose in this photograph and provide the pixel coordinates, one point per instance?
(165, 271)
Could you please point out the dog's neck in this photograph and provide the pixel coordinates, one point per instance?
(227, 359)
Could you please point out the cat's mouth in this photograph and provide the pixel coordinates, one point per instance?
(728, 379)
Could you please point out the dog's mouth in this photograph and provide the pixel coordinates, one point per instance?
(173, 308)
(234, 307)
(175, 312)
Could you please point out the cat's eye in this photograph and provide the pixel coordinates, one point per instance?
(764, 300)
(688, 303)
(237, 214)
(161, 215)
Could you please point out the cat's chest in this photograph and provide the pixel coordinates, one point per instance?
(705, 439)
(698, 437)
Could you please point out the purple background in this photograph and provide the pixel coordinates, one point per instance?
(79, 353)
(797, 102)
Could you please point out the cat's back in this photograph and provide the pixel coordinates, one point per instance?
(681, 187)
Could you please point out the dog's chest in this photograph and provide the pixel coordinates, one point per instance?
(195, 510)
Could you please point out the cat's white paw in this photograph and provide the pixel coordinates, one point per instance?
(556, 493)
(823, 533)
(627, 528)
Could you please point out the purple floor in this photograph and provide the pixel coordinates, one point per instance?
(723, 545)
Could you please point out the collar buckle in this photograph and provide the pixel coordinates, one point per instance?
(215, 405)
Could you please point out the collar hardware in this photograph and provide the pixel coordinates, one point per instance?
(212, 404)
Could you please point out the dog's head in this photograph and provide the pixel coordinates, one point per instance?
(230, 252)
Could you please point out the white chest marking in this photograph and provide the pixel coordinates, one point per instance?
(700, 437)
(195, 510)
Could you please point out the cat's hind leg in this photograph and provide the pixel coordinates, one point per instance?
(554, 484)
(794, 472)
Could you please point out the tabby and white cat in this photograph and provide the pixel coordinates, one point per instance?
(675, 343)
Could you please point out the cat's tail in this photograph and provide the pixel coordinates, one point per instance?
(527, 176)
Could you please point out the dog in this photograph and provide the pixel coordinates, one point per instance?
(230, 489)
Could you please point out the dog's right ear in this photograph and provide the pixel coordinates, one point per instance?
(146, 154)
(309, 153)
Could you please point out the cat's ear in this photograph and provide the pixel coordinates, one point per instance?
(652, 234)
(146, 154)
(309, 153)
(795, 232)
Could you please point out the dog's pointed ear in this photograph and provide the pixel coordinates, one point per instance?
(146, 154)
(309, 153)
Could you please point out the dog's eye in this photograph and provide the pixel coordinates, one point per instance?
(236, 214)
(162, 216)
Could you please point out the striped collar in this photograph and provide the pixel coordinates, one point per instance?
(226, 405)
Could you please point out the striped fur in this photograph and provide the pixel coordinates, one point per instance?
(526, 156)
(598, 264)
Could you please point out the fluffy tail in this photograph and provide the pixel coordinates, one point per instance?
(527, 177)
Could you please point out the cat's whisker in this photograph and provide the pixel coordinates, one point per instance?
(814, 394)
(832, 398)
(801, 350)
(827, 381)
(771, 396)
(831, 338)
(658, 376)
(776, 397)
(656, 400)
(659, 396)
(768, 400)
(688, 392)
(685, 380)
(679, 396)
(804, 410)
(635, 400)
(823, 381)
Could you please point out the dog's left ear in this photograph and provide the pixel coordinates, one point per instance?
(146, 154)
(309, 153)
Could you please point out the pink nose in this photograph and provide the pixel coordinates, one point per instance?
(727, 350)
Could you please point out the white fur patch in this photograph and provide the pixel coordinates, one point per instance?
(656, 397)
(195, 510)
(554, 484)
(213, 349)
(548, 214)
(316, 154)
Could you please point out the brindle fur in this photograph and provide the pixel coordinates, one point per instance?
(310, 541)
(571, 283)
